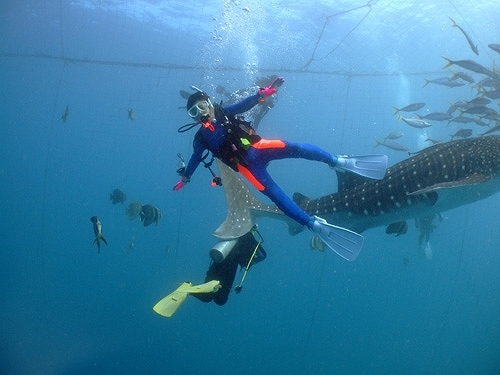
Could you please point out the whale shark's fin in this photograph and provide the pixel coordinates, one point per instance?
(474, 179)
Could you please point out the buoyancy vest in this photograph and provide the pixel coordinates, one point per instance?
(240, 135)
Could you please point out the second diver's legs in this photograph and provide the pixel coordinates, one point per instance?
(225, 273)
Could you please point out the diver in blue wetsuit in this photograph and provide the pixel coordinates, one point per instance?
(235, 143)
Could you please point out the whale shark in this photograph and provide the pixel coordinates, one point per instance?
(436, 179)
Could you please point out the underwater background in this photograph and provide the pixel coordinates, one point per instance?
(67, 309)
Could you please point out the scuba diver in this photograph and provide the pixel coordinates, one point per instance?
(234, 142)
(244, 251)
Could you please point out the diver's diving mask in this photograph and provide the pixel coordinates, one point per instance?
(199, 110)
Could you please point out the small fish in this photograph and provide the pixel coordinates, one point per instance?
(493, 94)
(392, 145)
(317, 244)
(131, 114)
(426, 250)
(415, 122)
(476, 102)
(433, 141)
(461, 75)
(426, 226)
(64, 115)
(150, 214)
(444, 81)
(393, 135)
(462, 133)
(495, 47)
(492, 116)
(492, 130)
(462, 119)
(98, 232)
(470, 65)
(480, 122)
(117, 196)
(399, 228)
(436, 116)
(131, 245)
(469, 40)
(409, 108)
(454, 106)
(479, 110)
(490, 82)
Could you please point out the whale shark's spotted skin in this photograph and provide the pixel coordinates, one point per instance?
(438, 178)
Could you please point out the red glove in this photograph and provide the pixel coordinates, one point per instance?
(272, 88)
(267, 91)
(178, 186)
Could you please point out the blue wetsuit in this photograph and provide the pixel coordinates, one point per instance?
(257, 156)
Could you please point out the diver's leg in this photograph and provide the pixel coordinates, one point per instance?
(277, 149)
(257, 174)
(225, 273)
(211, 275)
(282, 200)
(371, 166)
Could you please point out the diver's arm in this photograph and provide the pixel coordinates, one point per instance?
(243, 106)
(250, 102)
(193, 163)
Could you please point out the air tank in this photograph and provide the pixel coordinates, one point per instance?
(221, 250)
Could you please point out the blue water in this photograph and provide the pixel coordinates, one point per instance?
(65, 309)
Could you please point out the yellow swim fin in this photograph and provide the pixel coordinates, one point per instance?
(168, 305)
